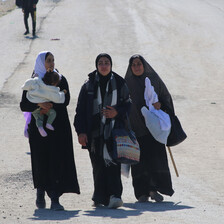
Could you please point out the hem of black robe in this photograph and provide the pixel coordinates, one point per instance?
(98, 201)
(61, 191)
(163, 191)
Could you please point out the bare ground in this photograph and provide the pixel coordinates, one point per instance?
(183, 41)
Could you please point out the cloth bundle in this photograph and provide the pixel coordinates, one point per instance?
(157, 121)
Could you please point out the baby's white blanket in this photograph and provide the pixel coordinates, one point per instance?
(38, 92)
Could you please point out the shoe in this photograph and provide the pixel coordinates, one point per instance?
(40, 201)
(115, 202)
(50, 127)
(56, 206)
(27, 32)
(34, 33)
(97, 205)
(43, 133)
(156, 196)
(143, 198)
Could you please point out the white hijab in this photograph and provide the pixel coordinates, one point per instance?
(39, 68)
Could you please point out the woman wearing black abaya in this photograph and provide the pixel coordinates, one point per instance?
(52, 158)
(102, 105)
(151, 176)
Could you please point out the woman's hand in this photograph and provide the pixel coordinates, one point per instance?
(157, 105)
(50, 70)
(83, 139)
(45, 107)
(109, 112)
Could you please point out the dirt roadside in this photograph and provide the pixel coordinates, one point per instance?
(184, 46)
(6, 6)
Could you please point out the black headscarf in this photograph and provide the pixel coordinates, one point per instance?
(136, 85)
(103, 79)
(103, 55)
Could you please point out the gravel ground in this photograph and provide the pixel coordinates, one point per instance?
(6, 6)
(182, 40)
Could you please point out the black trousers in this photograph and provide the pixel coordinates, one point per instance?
(32, 12)
(152, 173)
(107, 180)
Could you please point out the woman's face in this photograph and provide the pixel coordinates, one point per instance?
(104, 66)
(137, 67)
(49, 63)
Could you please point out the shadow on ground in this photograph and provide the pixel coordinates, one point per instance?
(31, 37)
(136, 209)
(47, 214)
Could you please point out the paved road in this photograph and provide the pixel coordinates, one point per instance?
(183, 41)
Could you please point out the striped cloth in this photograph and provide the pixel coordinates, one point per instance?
(103, 131)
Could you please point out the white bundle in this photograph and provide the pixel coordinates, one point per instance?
(157, 121)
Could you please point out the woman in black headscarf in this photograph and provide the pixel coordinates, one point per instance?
(152, 174)
(102, 105)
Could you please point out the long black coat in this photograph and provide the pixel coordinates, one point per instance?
(52, 158)
(84, 111)
(28, 4)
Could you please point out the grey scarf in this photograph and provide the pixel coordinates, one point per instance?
(106, 125)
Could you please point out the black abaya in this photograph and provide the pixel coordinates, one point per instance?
(52, 158)
(152, 173)
(107, 180)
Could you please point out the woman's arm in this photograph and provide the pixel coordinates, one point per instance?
(26, 105)
(124, 105)
(80, 122)
(63, 86)
(165, 98)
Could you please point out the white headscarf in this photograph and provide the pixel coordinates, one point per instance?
(39, 68)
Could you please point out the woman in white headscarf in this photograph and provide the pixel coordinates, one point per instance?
(151, 176)
(52, 158)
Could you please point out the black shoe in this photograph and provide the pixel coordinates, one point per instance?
(27, 32)
(156, 196)
(97, 205)
(34, 34)
(40, 201)
(56, 206)
(143, 198)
